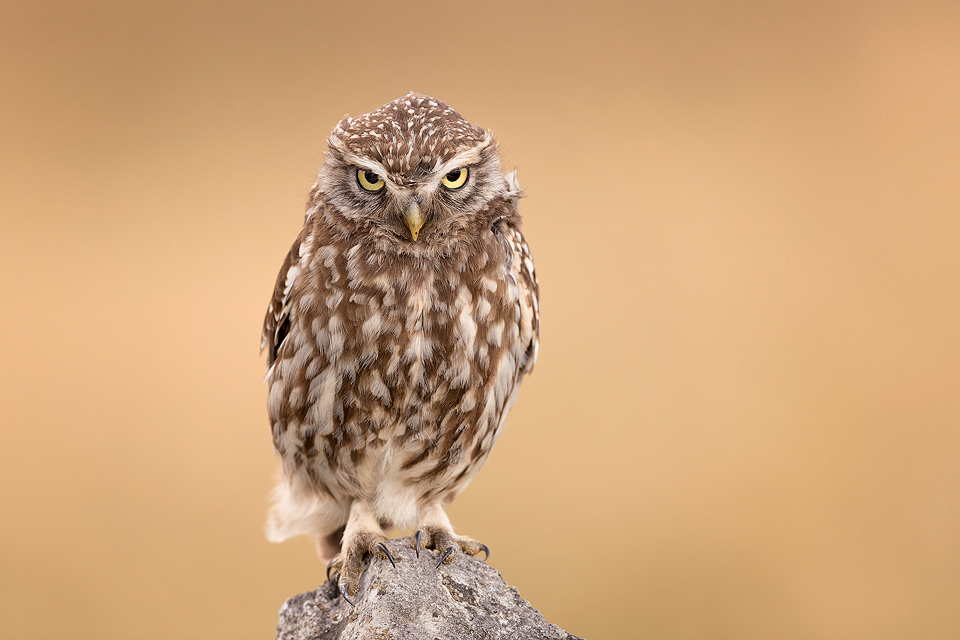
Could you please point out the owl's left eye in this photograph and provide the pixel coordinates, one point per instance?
(369, 180)
(456, 178)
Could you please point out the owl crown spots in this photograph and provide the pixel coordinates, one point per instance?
(411, 135)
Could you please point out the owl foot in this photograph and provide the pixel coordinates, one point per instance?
(337, 562)
(348, 565)
(446, 543)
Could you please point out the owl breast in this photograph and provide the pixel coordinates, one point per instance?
(395, 376)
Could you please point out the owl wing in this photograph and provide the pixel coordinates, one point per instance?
(522, 271)
(276, 325)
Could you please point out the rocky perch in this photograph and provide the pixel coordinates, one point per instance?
(416, 600)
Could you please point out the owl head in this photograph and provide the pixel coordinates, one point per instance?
(413, 176)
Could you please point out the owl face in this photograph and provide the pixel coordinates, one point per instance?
(414, 174)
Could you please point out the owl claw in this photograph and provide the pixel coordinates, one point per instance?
(416, 541)
(343, 594)
(446, 554)
(486, 551)
(383, 547)
(335, 566)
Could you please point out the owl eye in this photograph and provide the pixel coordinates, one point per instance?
(369, 180)
(456, 178)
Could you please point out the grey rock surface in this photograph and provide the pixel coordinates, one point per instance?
(463, 599)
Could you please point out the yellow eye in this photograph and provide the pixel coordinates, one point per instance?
(369, 180)
(456, 178)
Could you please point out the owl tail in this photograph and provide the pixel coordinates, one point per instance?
(297, 511)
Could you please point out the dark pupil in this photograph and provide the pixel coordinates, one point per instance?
(453, 176)
(371, 177)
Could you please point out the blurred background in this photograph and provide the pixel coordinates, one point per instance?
(745, 419)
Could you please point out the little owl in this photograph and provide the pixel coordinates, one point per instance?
(403, 319)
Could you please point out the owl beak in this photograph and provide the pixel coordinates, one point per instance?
(414, 219)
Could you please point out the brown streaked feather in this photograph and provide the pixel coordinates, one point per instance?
(276, 323)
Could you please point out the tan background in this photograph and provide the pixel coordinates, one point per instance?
(745, 422)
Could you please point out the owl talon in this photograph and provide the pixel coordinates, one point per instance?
(343, 594)
(446, 554)
(486, 551)
(416, 541)
(383, 547)
(334, 567)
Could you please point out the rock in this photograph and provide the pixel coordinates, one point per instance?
(416, 600)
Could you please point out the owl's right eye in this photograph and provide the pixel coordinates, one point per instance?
(369, 180)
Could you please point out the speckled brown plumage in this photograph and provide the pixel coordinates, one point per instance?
(401, 325)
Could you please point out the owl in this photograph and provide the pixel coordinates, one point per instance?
(402, 322)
